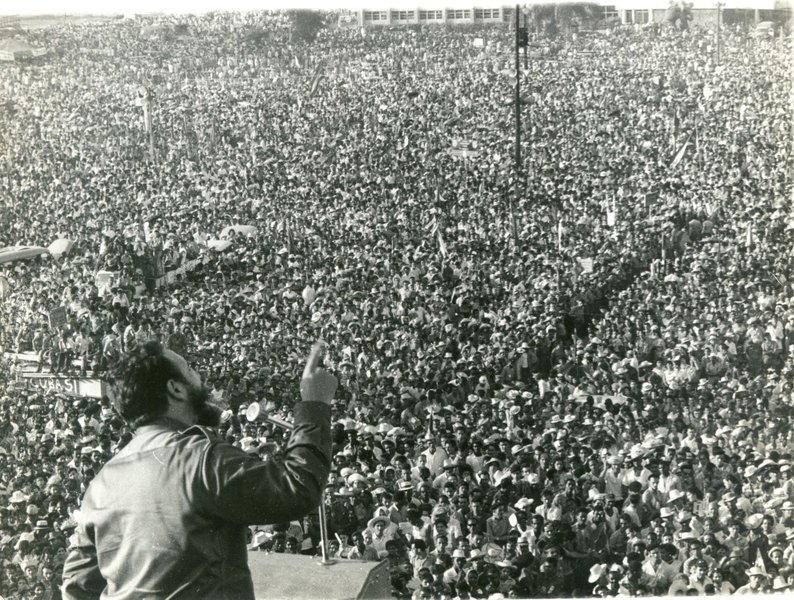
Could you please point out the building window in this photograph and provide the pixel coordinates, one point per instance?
(375, 15)
(486, 13)
(402, 15)
(430, 15)
(640, 17)
(610, 13)
(457, 15)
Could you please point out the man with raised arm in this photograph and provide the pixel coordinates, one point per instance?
(167, 516)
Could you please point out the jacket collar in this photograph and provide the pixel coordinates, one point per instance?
(161, 423)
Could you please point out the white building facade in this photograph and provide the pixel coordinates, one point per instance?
(623, 11)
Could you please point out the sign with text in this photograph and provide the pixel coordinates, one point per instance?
(73, 386)
(464, 149)
(58, 317)
(651, 197)
(586, 265)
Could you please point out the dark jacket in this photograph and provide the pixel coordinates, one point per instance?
(167, 516)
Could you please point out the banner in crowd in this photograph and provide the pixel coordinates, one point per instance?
(12, 253)
(73, 386)
(464, 149)
(315, 81)
(651, 198)
(219, 245)
(5, 287)
(679, 156)
(237, 230)
(58, 317)
(30, 357)
(187, 267)
(586, 264)
(99, 51)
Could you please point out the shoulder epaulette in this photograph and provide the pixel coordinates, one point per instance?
(206, 432)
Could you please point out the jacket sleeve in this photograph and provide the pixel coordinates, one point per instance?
(81, 577)
(242, 489)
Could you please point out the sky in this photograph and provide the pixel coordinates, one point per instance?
(34, 7)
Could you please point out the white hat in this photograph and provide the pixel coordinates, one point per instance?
(675, 495)
(523, 502)
(375, 520)
(18, 497)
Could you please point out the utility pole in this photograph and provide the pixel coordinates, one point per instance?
(520, 37)
(719, 20)
(524, 40)
(518, 93)
(145, 97)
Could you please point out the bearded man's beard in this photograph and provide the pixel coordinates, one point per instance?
(207, 414)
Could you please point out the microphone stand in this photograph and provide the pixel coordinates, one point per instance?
(325, 560)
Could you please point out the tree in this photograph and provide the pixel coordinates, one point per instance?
(306, 24)
(548, 20)
(258, 37)
(570, 16)
(679, 14)
(540, 19)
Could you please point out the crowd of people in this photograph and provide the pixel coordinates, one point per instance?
(574, 378)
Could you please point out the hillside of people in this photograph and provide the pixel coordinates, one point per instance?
(572, 379)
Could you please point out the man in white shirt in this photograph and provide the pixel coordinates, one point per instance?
(668, 481)
(613, 477)
(435, 456)
(657, 574)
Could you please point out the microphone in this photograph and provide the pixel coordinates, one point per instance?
(258, 413)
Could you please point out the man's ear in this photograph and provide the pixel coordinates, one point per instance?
(176, 389)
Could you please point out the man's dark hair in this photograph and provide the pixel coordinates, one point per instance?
(141, 380)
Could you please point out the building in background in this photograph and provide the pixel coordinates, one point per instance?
(705, 11)
(625, 12)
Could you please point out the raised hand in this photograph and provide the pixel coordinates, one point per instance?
(317, 384)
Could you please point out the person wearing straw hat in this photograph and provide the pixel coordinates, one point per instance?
(181, 499)
(788, 550)
(758, 584)
(780, 585)
(361, 546)
(382, 532)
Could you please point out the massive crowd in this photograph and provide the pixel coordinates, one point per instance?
(574, 382)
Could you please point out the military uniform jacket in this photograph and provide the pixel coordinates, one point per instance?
(166, 517)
